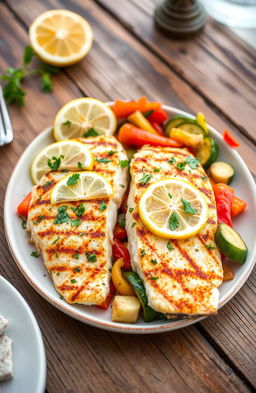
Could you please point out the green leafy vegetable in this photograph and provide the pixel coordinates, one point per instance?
(145, 178)
(54, 162)
(192, 162)
(67, 123)
(156, 170)
(102, 206)
(172, 160)
(124, 163)
(111, 152)
(46, 82)
(174, 221)
(75, 223)
(80, 166)
(28, 55)
(143, 253)
(79, 210)
(35, 254)
(170, 246)
(91, 257)
(181, 165)
(90, 132)
(187, 207)
(103, 160)
(76, 256)
(154, 261)
(56, 240)
(209, 246)
(73, 179)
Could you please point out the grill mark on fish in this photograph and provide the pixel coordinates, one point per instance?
(99, 143)
(208, 250)
(211, 221)
(208, 193)
(51, 232)
(72, 250)
(40, 202)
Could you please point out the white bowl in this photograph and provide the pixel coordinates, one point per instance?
(35, 272)
(28, 347)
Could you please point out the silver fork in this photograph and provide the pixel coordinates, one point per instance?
(6, 133)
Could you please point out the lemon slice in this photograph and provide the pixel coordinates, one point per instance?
(60, 37)
(71, 155)
(173, 209)
(81, 186)
(79, 116)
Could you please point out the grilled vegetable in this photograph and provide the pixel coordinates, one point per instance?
(112, 290)
(229, 139)
(237, 207)
(120, 232)
(221, 172)
(148, 313)
(159, 116)
(125, 108)
(140, 121)
(208, 152)
(228, 274)
(132, 135)
(125, 309)
(23, 207)
(202, 122)
(173, 123)
(120, 251)
(188, 139)
(192, 127)
(121, 284)
(223, 196)
(230, 243)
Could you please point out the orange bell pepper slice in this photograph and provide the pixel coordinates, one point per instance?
(126, 108)
(238, 206)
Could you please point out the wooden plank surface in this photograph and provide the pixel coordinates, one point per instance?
(81, 358)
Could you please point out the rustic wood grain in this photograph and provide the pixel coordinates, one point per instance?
(81, 358)
(213, 63)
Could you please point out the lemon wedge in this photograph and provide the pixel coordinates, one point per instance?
(173, 209)
(84, 116)
(71, 155)
(81, 186)
(60, 37)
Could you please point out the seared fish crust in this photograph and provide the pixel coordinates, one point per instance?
(185, 279)
(78, 257)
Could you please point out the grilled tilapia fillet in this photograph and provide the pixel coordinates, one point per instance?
(79, 257)
(185, 280)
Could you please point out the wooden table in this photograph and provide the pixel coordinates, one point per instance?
(213, 73)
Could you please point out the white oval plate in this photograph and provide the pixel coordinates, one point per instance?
(28, 348)
(35, 272)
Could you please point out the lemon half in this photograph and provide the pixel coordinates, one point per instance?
(173, 209)
(60, 37)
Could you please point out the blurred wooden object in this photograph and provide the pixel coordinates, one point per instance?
(180, 18)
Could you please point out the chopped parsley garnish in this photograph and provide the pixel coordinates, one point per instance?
(75, 223)
(39, 219)
(90, 132)
(73, 179)
(65, 170)
(45, 185)
(172, 160)
(73, 281)
(67, 123)
(76, 256)
(154, 278)
(81, 234)
(24, 223)
(62, 215)
(156, 170)
(110, 270)
(122, 222)
(122, 185)
(56, 240)
(209, 246)
(102, 206)
(131, 209)
(91, 257)
(181, 165)
(170, 195)
(111, 152)
(170, 246)
(143, 253)
(133, 224)
(79, 210)
(103, 160)
(204, 177)
(56, 254)
(187, 207)
(61, 297)
(62, 208)
(80, 166)
(54, 162)
(124, 163)
(35, 254)
(145, 178)
(192, 162)
(154, 261)
(173, 221)
(76, 269)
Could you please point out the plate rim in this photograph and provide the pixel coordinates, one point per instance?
(112, 326)
(41, 382)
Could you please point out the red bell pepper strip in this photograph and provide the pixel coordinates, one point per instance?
(224, 196)
(229, 139)
(238, 206)
(23, 207)
(158, 128)
(136, 136)
(120, 251)
(106, 303)
(126, 108)
(159, 116)
(119, 232)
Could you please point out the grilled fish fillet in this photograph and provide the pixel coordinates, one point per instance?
(188, 276)
(79, 257)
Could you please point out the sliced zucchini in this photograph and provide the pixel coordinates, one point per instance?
(208, 152)
(221, 172)
(174, 122)
(192, 127)
(230, 243)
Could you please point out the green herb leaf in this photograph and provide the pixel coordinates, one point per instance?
(124, 163)
(145, 178)
(24, 223)
(12, 91)
(133, 224)
(35, 254)
(209, 246)
(79, 210)
(156, 170)
(170, 246)
(204, 177)
(80, 166)
(122, 222)
(143, 253)
(62, 216)
(39, 219)
(174, 221)
(73, 179)
(154, 278)
(91, 257)
(170, 195)
(76, 270)
(62, 208)
(56, 240)
(111, 152)
(181, 165)
(131, 209)
(192, 162)
(187, 207)
(103, 160)
(67, 123)
(45, 185)
(81, 234)
(46, 83)
(76, 256)
(28, 55)
(90, 132)
(102, 206)
(50, 69)
(154, 261)
(54, 162)
(75, 223)
(172, 160)
(73, 280)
